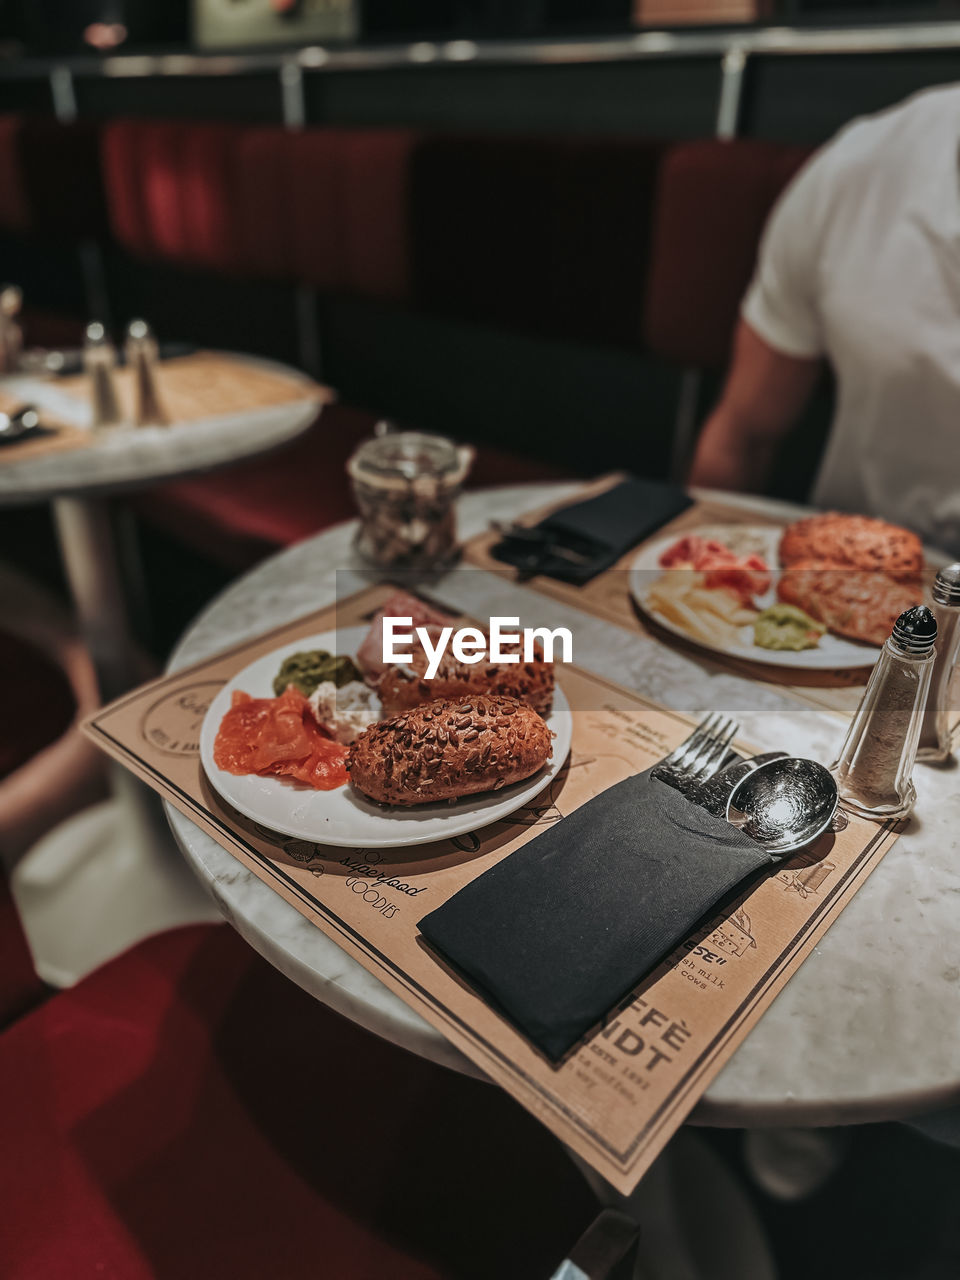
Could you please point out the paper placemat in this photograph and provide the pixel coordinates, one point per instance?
(207, 384)
(606, 597)
(620, 1095)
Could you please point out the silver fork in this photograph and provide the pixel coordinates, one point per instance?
(700, 756)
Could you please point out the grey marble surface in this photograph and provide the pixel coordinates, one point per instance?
(127, 457)
(869, 1028)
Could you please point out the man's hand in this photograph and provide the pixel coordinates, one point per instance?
(763, 397)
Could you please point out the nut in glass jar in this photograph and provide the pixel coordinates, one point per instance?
(405, 484)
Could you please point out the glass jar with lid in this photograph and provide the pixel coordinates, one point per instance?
(405, 483)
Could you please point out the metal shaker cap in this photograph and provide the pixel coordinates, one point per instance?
(946, 587)
(915, 631)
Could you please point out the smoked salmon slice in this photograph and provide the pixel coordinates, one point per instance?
(278, 737)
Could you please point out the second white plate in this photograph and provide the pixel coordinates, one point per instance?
(832, 654)
(344, 817)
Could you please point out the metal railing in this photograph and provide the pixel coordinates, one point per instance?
(716, 42)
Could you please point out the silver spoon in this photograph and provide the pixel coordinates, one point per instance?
(14, 426)
(785, 804)
(713, 794)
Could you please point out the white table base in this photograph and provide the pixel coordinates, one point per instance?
(102, 881)
(696, 1223)
(109, 877)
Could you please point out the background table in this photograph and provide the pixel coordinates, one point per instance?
(108, 877)
(868, 1029)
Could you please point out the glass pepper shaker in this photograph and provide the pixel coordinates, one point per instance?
(100, 363)
(142, 357)
(405, 483)
(935, 736)
(875, 766)
(11, 333)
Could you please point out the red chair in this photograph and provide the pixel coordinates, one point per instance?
(348, 198)
(186, 1112)
(38, 707)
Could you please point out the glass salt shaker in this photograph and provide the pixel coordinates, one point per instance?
(935, 736)
(405, 483)
(99, 364)
(142, 355)
(11, 333)
(875, 766)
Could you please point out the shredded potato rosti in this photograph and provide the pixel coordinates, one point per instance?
(707, 613)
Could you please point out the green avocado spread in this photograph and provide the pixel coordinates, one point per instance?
(311, 668)
(784, 626)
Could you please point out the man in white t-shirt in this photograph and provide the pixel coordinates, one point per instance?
(859, 264)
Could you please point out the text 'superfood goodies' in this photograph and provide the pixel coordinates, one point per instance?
(444, 750)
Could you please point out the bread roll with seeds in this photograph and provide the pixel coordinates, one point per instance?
(448, 749)
(403, 687)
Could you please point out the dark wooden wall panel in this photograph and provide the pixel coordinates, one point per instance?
(539, 398)
(254, 98)
(21, 94)
(807, 99)
(669, 97)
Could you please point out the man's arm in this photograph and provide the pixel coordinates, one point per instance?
(764, 395)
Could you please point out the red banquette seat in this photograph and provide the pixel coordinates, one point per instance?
(329, 208)
(186, 1111)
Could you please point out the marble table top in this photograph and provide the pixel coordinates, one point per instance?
(125, 458)
(868, 1029)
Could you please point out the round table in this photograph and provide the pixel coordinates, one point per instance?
(106, 878)
(868, 1029)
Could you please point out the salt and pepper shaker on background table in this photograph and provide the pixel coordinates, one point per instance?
(875, 766)
(11, 334)
(100, 363)
(142, 358)
(935, 732)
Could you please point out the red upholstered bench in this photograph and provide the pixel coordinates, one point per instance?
(188, 1112)
(244, 513)
(38, 706)
(713, 199)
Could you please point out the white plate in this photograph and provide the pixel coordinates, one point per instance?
(832, 654)
(344, 817)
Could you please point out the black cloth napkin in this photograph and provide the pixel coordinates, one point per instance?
(561, 930)
(601, 529)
